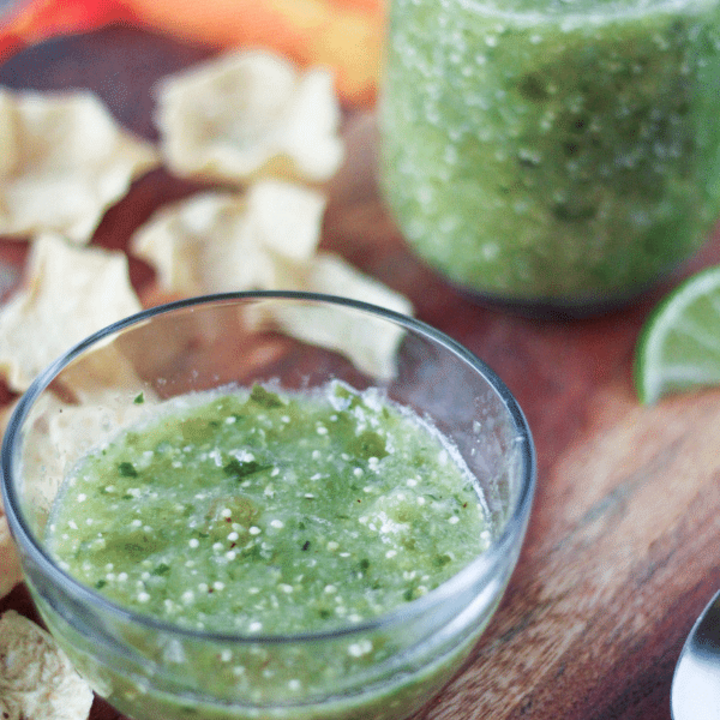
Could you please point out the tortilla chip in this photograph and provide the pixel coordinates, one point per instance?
(63, 161)
(36, 678)
(248, 114)
(222, 242)
(371, 345)
(73, 430)
(70, 431)
(70, 293)
(286, 218)
(331, 274)
(10, 572)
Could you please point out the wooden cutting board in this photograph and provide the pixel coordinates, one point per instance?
(622, 548)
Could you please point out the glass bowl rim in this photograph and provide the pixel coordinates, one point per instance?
(484, 564)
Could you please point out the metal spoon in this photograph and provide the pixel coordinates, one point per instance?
(695, 691)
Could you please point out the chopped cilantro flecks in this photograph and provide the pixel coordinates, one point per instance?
(266, 398)
(240, 469)
(127, 469)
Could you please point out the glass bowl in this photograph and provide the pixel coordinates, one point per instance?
(151, 669)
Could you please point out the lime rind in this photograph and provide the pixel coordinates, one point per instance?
(679, 345)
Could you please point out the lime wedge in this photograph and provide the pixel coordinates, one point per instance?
(679, 346)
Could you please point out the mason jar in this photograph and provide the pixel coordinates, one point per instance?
(560, 154)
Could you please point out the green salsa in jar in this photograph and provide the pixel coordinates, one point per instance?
(556, 153)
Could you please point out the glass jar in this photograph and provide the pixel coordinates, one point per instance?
(553, 153)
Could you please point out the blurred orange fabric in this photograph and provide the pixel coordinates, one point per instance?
(345, 35)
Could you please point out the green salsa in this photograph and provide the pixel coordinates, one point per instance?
(565, 151)
(266, 513)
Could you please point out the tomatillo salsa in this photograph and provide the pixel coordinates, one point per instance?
(258, 512)
(560, 151)
(261, 512)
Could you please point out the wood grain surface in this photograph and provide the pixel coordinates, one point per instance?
(622, 548)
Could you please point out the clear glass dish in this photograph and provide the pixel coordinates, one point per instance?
(152, 670)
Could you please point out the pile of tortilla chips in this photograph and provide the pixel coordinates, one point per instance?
(250, 119)
(270, 133)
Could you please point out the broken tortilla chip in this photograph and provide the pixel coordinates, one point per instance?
(36, 677)
(59, 434)
(222, 242)
(63, 161)
(248, 114)
(69, 293)
(372, 344)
